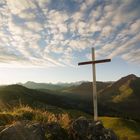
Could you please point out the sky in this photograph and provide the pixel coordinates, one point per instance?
(43, 40)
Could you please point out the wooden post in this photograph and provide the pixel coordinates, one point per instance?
(94, 87)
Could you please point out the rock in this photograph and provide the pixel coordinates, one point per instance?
(84, 129)
(80, 129)
(33, 131)
(1, 128)
(55, 132)
(23, 131)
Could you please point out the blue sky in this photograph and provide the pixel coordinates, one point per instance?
(43, 40)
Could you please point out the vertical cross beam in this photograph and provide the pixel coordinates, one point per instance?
(94, 87)
(93, 62)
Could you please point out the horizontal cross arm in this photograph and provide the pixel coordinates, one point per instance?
(94, 62)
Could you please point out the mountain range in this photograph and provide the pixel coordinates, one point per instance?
(49, 86)
(119, 98)
(118, 103)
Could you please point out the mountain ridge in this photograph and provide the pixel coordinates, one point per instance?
(121, 97)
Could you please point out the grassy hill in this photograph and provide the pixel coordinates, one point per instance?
(13, 95)
(125, 129)
(84, 90)
(124, 96)
(120, 90)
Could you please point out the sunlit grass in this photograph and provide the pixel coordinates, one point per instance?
(27, 113)
(125, 129)
(125, 92)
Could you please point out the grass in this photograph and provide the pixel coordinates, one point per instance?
(125, 129)
(124, 92)
(28, 113)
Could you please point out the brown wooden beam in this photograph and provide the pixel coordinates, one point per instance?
(94, 62)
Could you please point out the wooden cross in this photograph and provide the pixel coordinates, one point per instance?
(93, 62)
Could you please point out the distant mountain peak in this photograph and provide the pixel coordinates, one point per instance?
(130, 77)
(29, 82)
(125, 79)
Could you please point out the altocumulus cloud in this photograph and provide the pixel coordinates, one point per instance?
(44, 33)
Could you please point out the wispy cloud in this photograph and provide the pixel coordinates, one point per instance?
(48, 33)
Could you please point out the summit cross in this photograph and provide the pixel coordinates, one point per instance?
(93, 62)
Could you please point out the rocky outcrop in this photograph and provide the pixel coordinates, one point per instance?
(55, 132)
(80, 129)
(33, 131)
(23, 131)
(84, 129)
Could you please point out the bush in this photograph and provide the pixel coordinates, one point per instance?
(6, 118)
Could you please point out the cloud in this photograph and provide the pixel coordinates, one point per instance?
(78, 44)
(132, 56)
(45, 32)
(89, 2)
(126, 46)
(16, 6)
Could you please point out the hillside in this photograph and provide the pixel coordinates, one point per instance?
(14, 95)
(119, 98)
(84, 90)
(17, 94)
(125, 129)
(124, 96)
(119, 90)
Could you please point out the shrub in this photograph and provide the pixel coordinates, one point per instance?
(6, 118)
